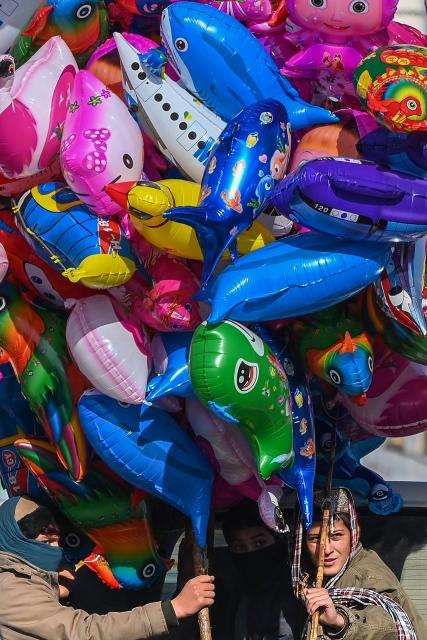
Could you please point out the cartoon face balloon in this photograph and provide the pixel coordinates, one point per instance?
(236, 375)
(101, 143)
(341, 20)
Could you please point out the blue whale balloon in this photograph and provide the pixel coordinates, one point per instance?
(250, 156)
(170, 354)
(294, 276)
(226, 67)
(146, 447)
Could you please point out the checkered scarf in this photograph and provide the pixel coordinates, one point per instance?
(349, 597)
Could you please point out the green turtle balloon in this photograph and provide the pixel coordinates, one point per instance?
(236, 375)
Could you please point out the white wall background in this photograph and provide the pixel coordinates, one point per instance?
(412, 12)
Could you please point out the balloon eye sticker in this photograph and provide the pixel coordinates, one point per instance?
(245, 376)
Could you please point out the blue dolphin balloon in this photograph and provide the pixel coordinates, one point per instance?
(300, 475)
(294, 276)
(221, 62)
(251, 154)
(173, 377)
(146, 447)
(350, 473)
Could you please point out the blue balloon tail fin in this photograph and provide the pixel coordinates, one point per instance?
(213, 236)
(54, 417)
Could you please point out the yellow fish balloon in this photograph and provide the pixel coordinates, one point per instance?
(147, 201)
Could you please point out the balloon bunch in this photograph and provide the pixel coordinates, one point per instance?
(200, 251)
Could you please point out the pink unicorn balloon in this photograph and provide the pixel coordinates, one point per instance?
(110, 350)
(397, 397)
(33, 104)
(334, 36)
(101, 144)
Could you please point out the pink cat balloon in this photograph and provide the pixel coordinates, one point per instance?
(33, 104)
(109, 349)
(101, 144)
(334, 37)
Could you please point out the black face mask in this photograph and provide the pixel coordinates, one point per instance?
(255, 567)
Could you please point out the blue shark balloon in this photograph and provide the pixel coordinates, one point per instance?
(294, 276)
(146, 447)
(223, 63)
(350, 473)
(170, 353)
(251, 154)
(299, 476)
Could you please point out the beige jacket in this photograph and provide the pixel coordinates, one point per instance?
(367, 570)
(30, 609)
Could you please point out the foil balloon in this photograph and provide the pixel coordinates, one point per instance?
(332, 140)
(168, 305)
(17, 421)
(251, 154)
(104, 63)
(170, 353)
(111, 351)
(403, 152)
(400, 287)
(106, 509)
(137, 7)
(300, 475)
(231, 456)
(335, 347)
(396, 399)
(236, 375)
(331, 39)
(13, 18)
(146, 202)
(350, 473)
(292, 277)
(82, 24)
(10, 187)
(354, 199)
(391, 83)
(4, 262)
(183, 128)
(35, 343)
(397, 336)
(101, 144)
(80, 245)
(194, 37)
(146, 447)
(38, 281)
(34, 101)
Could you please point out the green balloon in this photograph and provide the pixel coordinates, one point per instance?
(236, 375)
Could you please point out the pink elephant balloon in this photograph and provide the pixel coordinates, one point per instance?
(34, 101)
(111, 351)
(397, 397)
(101, 144)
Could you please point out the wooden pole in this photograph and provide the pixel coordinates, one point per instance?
(326, 507)
(201, 567)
